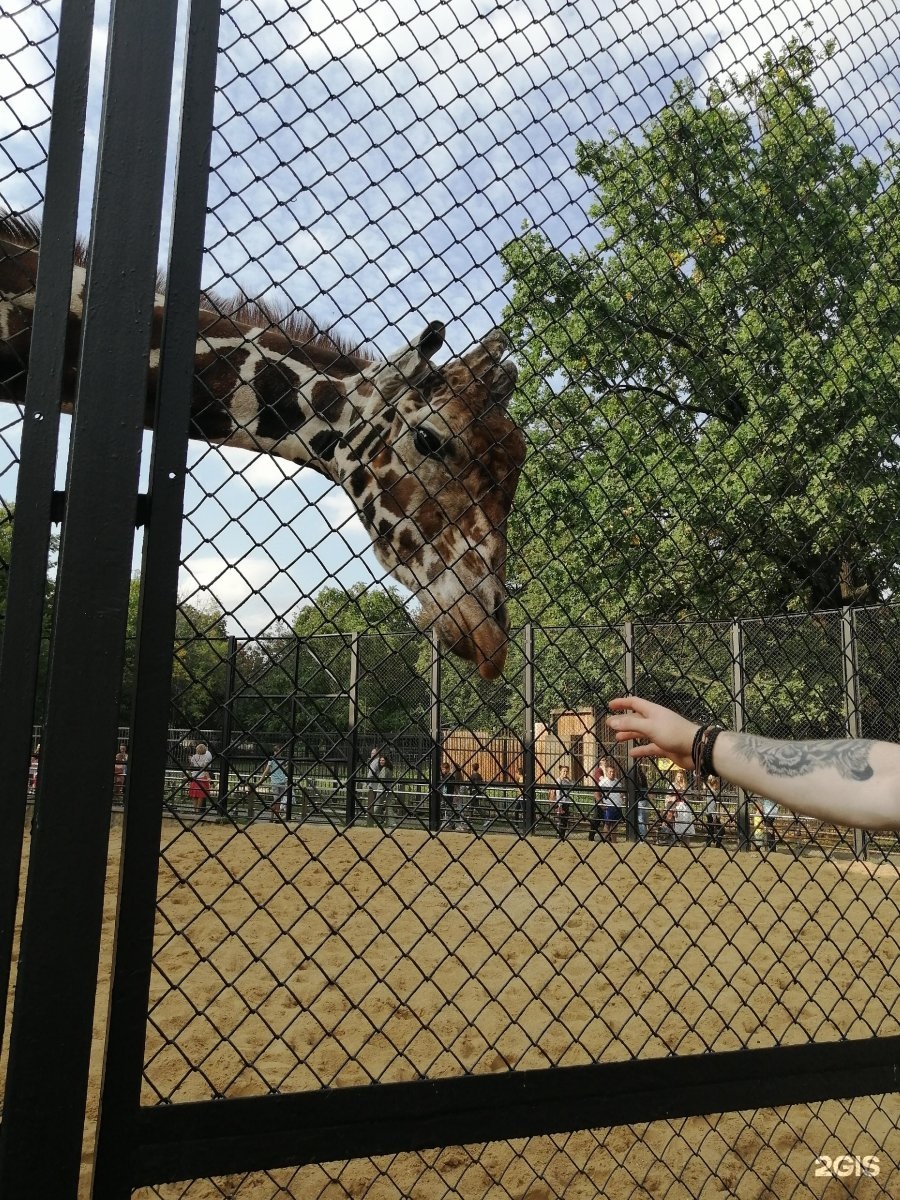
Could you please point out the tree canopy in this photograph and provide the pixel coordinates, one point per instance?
(393, 690)
(710, 390)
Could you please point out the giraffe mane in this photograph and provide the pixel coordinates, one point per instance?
(279, 326)
(275, 319)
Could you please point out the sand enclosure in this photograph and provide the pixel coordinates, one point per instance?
(300, 958)
(329, 959)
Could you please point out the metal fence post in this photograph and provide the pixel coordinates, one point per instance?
(739, 709)
(27, 581)
(47, 1080)
(850, 667)
(434, 780)
(292, 742)
(353, 719)
(227, 725)
(149, 752)
(632, 819)
(529, 741)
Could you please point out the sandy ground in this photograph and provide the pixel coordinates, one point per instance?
(301, 959)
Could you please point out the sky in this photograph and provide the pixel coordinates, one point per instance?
(369, 162)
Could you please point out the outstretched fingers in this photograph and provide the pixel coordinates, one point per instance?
(664, 733)
(635, 720)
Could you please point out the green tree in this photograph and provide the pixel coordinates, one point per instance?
(393, 687)
(710, 391)
(199, 666)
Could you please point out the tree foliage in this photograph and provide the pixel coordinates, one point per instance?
(393, 689)
(199, 667)
(710, 390)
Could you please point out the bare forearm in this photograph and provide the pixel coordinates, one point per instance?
(853, 782)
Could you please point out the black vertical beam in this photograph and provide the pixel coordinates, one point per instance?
(437, 750)
(27, 582)
(851, 703)
(292, 744)
(353, 720)
(738, 690)
(257, 1133)
(529, 741)
(632, 817)
(141, 833)
(227, 725)
(46, 1087)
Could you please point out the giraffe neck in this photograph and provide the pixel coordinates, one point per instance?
(254, 387)
(256, 391)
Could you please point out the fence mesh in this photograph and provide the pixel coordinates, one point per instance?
(687, 223)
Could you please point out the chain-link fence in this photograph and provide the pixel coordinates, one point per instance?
(385, 852)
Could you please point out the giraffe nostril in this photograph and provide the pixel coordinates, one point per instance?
(501, 616)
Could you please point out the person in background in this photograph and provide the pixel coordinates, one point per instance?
(614, 798)
(477, 793)
(712, 814)
(198, 774)
(33, 769)
(609, 797)
(275, 771)
(768, 811)
(372, 778)
(383, 773)
(120, 772)
(638, 779)
(849, 781)
(449, 790)
(561, 802)
(678, 818)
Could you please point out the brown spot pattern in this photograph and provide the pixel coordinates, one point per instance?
(328, 399)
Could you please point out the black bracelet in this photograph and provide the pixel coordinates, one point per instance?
(696, 744)
(706, 758)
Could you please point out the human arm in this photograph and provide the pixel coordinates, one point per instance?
(852, 781)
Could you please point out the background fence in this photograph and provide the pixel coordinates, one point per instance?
(803, 676)
(687, 223)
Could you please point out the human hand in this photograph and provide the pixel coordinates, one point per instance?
(666, 734)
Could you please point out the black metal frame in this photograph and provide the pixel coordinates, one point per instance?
(40, 438)
(186, 1141)
(42, 1131)
(43, 1127)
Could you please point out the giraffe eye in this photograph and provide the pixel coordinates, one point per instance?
(428, 443)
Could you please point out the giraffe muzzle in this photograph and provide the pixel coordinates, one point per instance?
(473, 635)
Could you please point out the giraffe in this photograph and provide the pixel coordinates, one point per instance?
(427, 454)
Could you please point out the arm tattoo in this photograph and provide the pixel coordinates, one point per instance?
(849, 757)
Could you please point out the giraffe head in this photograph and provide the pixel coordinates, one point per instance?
(432, 465)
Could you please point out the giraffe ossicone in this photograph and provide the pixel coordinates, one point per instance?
(427, 453)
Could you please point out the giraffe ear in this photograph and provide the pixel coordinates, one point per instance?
(431, 339)
(411, 364)
(486, 362)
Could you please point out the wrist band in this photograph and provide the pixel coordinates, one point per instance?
(695, 747)
(702, 749)
(706, 762)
